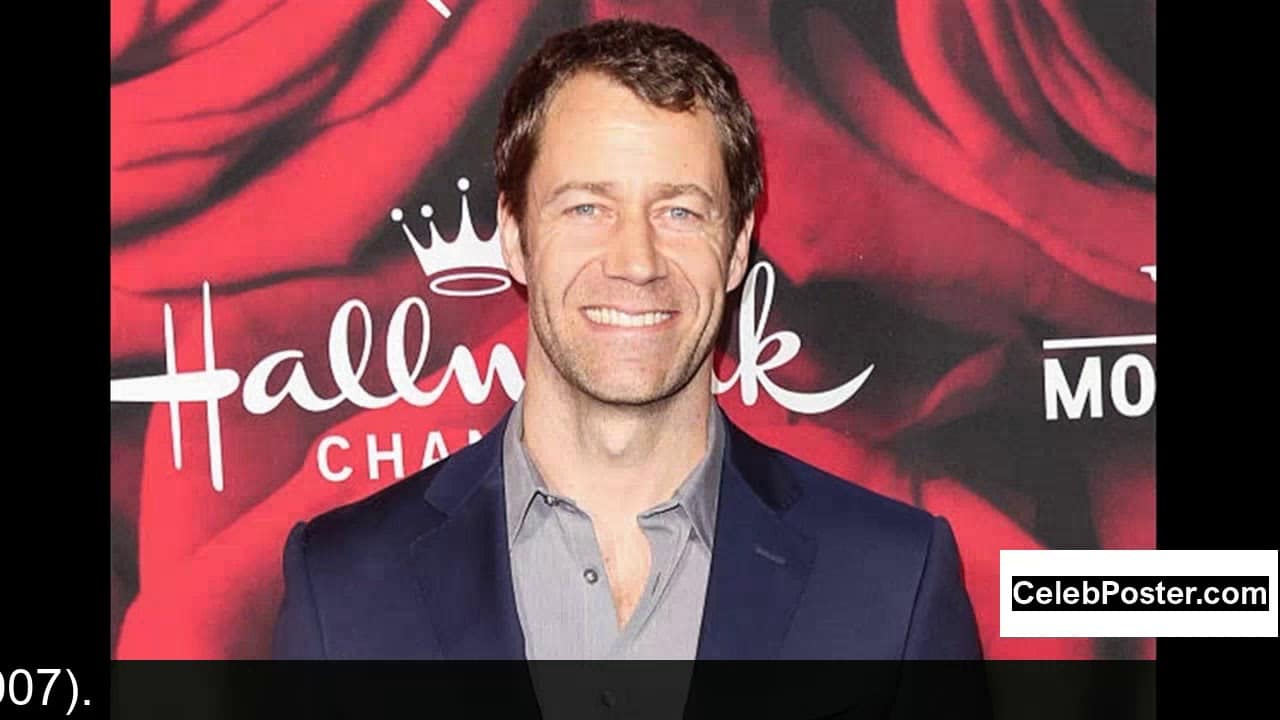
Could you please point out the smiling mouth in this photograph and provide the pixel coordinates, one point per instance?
(617, 318)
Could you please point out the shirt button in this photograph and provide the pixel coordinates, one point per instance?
(608, 699)
(590, 575)
(550, 501)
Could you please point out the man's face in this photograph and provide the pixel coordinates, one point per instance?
(629, 254)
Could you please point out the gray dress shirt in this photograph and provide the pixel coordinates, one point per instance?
(562, 590)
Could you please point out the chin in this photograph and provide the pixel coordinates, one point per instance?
(626, 395)
(630, 391)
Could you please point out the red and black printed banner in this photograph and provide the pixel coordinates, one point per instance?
(953, 302)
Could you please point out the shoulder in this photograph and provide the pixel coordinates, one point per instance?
(832, 508)
(378, 511)
(397, 514)
(884, 577)
(379, 524)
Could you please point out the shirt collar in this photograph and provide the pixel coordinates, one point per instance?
(523, 483)
(699, 493)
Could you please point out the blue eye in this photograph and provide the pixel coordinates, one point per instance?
(585, 210)
(680, 213)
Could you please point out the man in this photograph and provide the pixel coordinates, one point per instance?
(616, 512)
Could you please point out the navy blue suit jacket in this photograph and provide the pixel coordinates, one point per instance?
(804, 566)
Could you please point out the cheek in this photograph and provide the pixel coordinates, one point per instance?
(557, 277)
(704, 268)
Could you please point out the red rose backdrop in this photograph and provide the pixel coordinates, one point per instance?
(953, 301)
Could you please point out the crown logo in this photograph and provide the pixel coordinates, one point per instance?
(468, 258)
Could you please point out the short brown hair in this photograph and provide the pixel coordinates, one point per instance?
(662, 66)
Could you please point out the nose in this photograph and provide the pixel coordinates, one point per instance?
(633, 255)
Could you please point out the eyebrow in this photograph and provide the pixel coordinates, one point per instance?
(599, 188)
(669, 190)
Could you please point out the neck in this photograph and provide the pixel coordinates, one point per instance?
(614, 461)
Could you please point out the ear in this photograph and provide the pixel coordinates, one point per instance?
(741, 252)
(512, 252)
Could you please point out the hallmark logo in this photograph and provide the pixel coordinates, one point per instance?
(446, 264)
(444, 261)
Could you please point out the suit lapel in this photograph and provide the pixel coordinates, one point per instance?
(759, 564)
(461, 559)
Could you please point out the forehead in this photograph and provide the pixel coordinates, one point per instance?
(594, 123)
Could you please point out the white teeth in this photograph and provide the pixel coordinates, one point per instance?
(610, 316)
